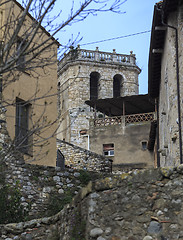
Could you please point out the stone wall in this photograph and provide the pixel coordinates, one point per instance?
(39, 186)
(80, 158)
(141, 205)
(4, 136)
(168, 110)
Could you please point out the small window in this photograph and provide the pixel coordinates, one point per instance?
(108, 149)
(83, 132)
(20, 54)
(144, 145)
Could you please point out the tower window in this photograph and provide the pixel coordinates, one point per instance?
(117, 85)
(94, 82)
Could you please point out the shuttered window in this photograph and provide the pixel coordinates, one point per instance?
(22, 125)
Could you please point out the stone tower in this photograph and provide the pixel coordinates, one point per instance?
(86, 75)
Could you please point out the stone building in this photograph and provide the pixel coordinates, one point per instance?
(86, 75)
(90, 77)
(29, 91)
(165, 80)
(123, 134)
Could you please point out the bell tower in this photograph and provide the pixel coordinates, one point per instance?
(87, 75)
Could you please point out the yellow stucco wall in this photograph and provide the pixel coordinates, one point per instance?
(39, 88)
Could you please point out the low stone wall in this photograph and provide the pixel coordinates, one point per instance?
(80, 158)
(141, 205)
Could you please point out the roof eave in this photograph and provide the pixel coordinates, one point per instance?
(157, 42)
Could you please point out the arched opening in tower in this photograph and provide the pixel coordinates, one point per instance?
(117, 85)
(94, 85)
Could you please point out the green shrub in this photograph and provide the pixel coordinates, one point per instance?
(11, 209)
(57, 203)
(84, 177)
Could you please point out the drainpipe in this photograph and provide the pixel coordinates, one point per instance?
(158, 155)
(178, 81)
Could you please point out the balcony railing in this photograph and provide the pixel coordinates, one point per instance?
(135, 118)
(89, 55)
(127, 119)
(107, 121)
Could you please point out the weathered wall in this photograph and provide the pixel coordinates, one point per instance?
(141, 205)
(39, 186)
(127, 142)
(74, 79)
(80, 158)
(33, 87)
(168, 112)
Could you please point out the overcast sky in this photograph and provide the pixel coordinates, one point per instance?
(137, 18)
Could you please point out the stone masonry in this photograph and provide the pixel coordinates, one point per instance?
(80, 158)
(74, 86)
(139, 205)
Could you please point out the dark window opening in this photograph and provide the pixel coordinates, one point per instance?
(94, 81)
(22, 126)
(108, 149)
(144, 145)
(83, 132)
(117, 85)
(20, 54)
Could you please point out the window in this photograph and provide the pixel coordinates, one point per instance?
(94, 82)
(144, 145)
(83, 132)
(108, 149)
(20, 53)
(22, 125)
(117, 84)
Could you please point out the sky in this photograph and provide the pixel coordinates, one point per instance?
(137, 18)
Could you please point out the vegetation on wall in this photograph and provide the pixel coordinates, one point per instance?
(84, 177)
(11, 209)
(57, 203)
